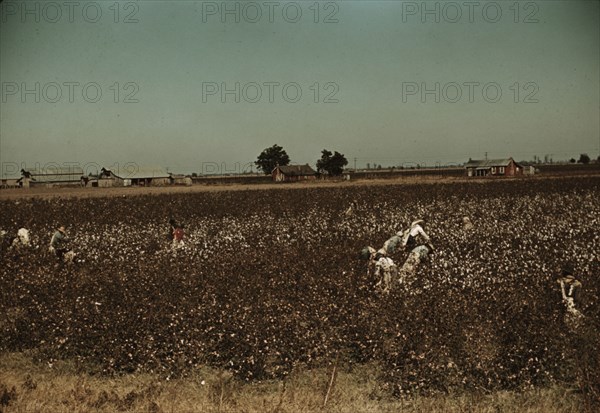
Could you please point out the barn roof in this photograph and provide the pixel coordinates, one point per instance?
(56, 178)
(297, 170)
(177, 176)
(52, 174)
(51, 170)
(140, 172)
(488, 163)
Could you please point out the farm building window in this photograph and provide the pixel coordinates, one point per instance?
(501, 169)
(494, 170)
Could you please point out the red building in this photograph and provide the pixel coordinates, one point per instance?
(493, 167)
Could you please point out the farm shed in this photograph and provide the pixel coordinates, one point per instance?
(529, 170)
(293, 173)
(493, 167)
(94, 181)
(53, 176)
(179, 179)
(137, 176)
(106, 179)
(12, 180)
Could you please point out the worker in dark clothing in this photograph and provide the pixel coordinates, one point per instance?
(172, 227)
(58, 243)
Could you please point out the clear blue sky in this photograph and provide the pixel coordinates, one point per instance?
(380, 65)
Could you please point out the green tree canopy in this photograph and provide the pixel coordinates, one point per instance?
(333, 164)
(270, 157)
(584, 158)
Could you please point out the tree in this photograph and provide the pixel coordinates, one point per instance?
(271, 157)
(333, 164)
(572, 160)
(584, 158)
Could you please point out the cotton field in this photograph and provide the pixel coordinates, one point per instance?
(271, 280)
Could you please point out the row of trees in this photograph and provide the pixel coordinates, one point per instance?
(584, 158)
(330, 163)
(334, 163)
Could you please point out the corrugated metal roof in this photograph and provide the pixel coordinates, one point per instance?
(56, 178)
(55, 174)
(297, 170)
(141, 172)
(51, 170)
(488, 163)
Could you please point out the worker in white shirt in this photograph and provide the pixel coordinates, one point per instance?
(22, 239)
(385, 272)
(415, 235)
(570, 287)
(417, 241)
(23, 234)
(380, 269)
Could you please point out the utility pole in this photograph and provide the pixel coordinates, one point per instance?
(486, 156)
(354, 164)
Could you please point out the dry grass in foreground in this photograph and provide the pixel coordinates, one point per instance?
(27, 388)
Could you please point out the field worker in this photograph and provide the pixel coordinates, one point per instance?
(415, 235)
(391, 245)
(417, 256)
(350, 209)
(22, 239)
(172, 227)
(58, 243)
(178, 236)
(368, 254)
(569, 287)
(467, 224)
(385, 272)
(5, 242)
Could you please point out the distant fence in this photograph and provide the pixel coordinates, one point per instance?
(571, 168)
(233, 179)
(407, 172)
(358, 175)
(395, 173)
